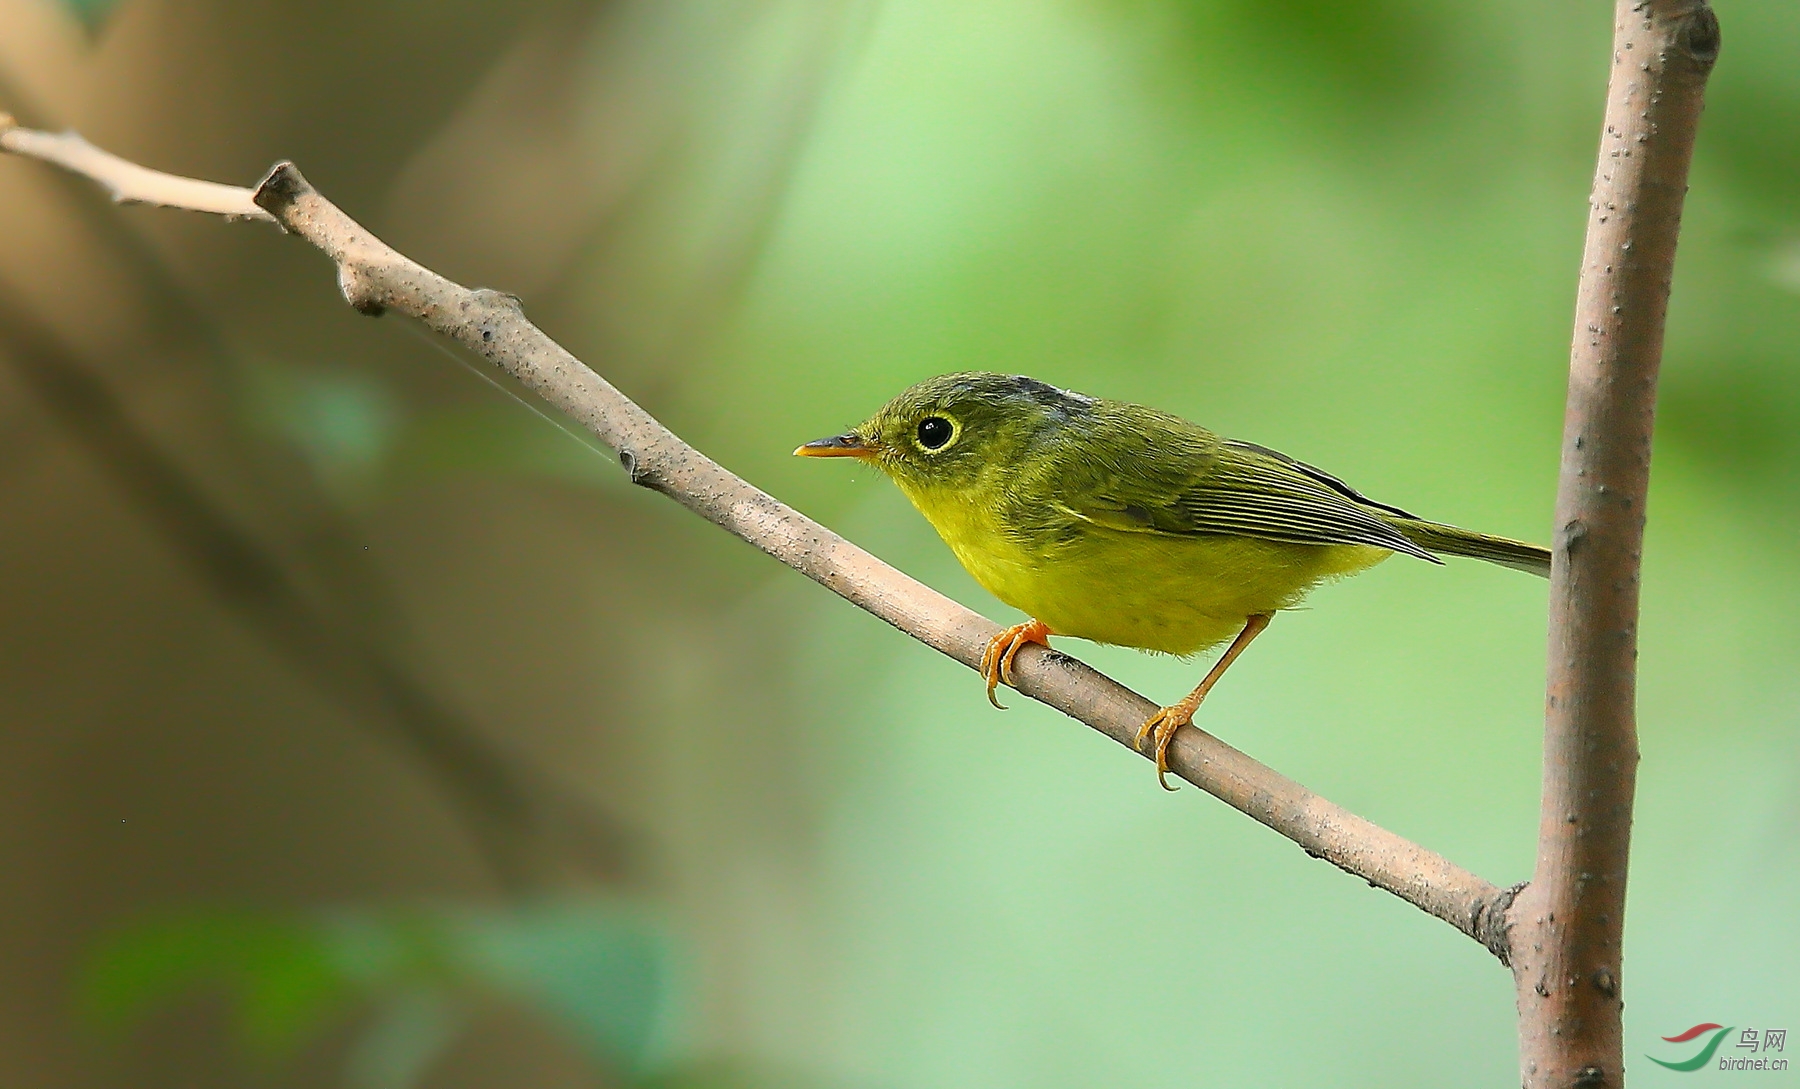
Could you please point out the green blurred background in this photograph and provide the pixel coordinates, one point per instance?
(363, 728)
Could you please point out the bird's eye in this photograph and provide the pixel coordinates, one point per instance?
(934, 432)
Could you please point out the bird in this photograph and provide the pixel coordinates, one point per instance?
(1123, 524)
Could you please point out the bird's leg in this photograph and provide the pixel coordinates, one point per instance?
(997, 659)
(1163, 724)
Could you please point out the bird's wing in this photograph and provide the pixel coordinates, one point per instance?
(1236, 489)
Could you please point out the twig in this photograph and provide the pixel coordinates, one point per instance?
(520, 822)
(128, 182)
(1567, 925)
(374, 278)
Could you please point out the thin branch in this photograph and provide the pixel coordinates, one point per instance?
(1566, 927)
(128, 182)
(374, 278)
(520, 822)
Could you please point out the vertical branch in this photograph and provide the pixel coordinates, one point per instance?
(1566, 925)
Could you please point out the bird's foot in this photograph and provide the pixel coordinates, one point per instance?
(1164, 723)
(1162, 726)
(997, 659)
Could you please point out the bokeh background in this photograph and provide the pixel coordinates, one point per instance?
(360, 726)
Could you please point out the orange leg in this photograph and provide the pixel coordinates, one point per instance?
(1163, 724)
(997, 659)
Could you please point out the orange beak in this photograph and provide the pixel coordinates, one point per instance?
(847, 445)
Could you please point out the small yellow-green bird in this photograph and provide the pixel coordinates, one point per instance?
(1121, 524)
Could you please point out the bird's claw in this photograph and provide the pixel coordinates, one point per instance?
(997, 659)
(1168, 720)
(1162, 727)
(990, 668)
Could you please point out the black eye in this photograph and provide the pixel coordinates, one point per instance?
(934, 432)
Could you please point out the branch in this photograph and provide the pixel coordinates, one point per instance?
(374, 278)
(126, 181)
(519, 821)
(1567, 925)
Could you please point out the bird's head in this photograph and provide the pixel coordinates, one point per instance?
(947, 432)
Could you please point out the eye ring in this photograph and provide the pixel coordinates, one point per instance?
(935, 432)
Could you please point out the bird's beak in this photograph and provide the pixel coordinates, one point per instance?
(847, 445)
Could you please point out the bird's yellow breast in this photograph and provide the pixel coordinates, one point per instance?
(1156, 591)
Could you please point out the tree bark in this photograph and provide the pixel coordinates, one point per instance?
(1566, 925)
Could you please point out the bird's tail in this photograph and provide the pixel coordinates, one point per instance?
(1451, 541)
